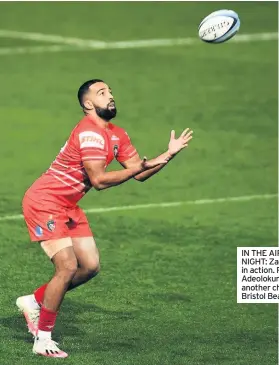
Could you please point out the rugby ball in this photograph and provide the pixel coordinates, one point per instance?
(219, 26)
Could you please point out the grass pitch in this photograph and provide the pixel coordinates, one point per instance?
(166, 294)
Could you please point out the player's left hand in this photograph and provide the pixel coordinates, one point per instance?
(176, 145)
(160, 160)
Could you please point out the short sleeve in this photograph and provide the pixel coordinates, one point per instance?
(126, 149)
(92, 146)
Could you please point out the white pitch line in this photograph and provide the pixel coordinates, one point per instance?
(187, 41)
(50, 38)
(77, 44)
(162, 205)
(34, 49)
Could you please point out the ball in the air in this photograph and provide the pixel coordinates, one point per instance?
(219, 26)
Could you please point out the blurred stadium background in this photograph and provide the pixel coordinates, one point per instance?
(167, 290)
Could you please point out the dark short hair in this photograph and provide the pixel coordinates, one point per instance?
(84, 89)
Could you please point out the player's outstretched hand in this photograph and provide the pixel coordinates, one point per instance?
(176, 145)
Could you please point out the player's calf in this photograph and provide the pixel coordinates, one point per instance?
(66, 267)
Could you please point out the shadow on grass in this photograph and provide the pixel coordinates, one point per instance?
(72, 323)
(17, 325)
(98, 329)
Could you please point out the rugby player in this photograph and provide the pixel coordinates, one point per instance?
(53, 217)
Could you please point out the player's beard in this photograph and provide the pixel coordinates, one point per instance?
(106, 113)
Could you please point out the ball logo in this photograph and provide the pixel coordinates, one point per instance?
(51, 225)
(213, 29)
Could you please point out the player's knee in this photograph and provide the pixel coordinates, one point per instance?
(93, 269)
(68, 270)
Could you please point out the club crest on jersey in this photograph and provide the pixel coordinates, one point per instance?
(51, 225)
(115, 150)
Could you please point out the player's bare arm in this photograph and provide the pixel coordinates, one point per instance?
(174, 147)
(100, 179)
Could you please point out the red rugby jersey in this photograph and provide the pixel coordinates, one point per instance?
(66, 181)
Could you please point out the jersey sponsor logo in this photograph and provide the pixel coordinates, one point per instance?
(38, 231)
(51, 225)
(91, 139)
(114, 138)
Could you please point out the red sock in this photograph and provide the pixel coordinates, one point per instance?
(39, 294)
(47, 319)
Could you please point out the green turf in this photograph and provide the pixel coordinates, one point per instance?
(166, 294)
